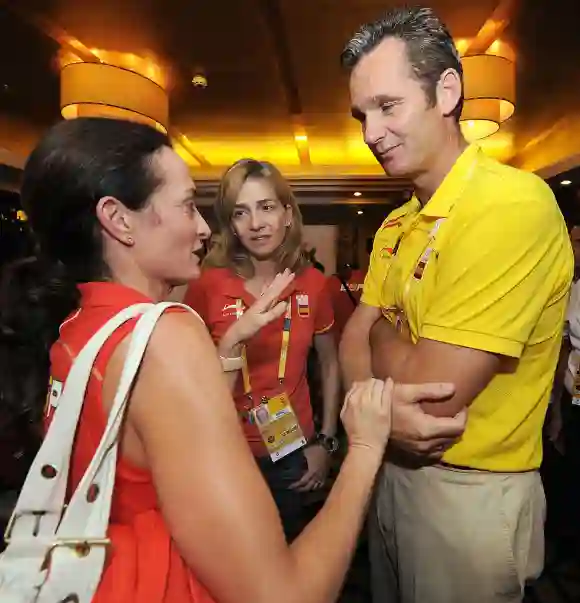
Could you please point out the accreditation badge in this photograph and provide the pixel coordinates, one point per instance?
(279, 427)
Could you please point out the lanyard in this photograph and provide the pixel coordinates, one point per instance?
(416, 274)
(283, 348)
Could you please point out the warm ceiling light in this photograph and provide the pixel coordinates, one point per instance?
(129, 88)
(199, 80)
(357, 194)
(301, 137)
(489, 90)
(566, 182)
(360, 212)
(462, 44)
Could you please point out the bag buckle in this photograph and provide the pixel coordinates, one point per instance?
(82, 546)
(12, 521)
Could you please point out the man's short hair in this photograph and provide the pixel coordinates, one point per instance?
(429, 44)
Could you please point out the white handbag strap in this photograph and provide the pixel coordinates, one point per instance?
(99, 470)
(45, 486)
(77, 566)
(87, 516)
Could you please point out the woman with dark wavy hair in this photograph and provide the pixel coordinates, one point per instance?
(113, 212)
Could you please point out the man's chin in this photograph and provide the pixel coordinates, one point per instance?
(394, 169)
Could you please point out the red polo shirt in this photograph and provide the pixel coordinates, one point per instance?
(214, 297)
(342, 304)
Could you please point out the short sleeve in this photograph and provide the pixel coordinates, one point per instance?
(196, 298)
(384, 242)
(324, 315)
(371, 294)
(496, 276)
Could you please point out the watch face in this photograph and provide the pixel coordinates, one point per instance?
(332, 444)
(329, 443)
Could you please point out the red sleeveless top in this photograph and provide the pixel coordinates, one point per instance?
(143, 564)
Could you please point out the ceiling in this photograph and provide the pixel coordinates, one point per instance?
(272, 68)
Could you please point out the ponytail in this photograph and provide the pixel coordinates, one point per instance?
(35, 298)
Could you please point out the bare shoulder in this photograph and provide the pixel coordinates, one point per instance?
(179, 331)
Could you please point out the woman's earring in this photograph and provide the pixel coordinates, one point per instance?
(130, 241)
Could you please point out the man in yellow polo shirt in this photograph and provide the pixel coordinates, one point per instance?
(468, 283)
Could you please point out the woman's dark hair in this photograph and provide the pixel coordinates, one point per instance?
(77, 163)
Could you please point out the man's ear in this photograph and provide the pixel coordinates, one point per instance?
(449, 91)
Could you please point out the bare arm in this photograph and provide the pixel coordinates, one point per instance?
(428, 361)
(327, 355)
(214, 500)
(354, 349)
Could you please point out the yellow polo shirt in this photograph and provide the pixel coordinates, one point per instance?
(486, 264)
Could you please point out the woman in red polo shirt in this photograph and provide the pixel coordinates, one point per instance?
(260, 229)
(112, 211)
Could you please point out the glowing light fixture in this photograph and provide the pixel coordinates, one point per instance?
(301, 138)
(489, 81)
(119, 85)
(357, 194)
(360, 212)
(566, 182)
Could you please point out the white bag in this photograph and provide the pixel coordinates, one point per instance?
(56, 553)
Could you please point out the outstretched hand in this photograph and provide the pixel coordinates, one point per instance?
(264, 310)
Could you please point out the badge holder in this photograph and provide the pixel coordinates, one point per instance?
(274, 417)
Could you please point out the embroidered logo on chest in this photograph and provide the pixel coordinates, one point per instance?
(303, 305)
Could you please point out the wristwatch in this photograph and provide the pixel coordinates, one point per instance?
(329, 443)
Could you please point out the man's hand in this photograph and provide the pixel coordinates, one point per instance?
(416, 431)
(318, 464)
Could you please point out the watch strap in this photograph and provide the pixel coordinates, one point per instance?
(231, 364)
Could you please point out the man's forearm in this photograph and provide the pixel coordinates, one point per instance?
(355, 358)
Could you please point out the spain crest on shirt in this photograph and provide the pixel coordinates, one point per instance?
(303, 306)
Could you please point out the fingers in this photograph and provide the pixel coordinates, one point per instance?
(435, 448)
(443, 427)
(278, 310)
(312, 484)
(305, 482)
(423, 392)
(387, 393)
(272, 292)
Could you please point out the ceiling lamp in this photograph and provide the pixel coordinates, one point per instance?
(117, 85)
(489, 89)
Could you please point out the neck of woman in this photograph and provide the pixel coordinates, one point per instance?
(264, 270)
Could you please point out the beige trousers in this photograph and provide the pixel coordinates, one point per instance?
(441, 535)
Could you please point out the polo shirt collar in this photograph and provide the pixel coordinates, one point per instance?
(235, 289)
(108, 294)
(453, 185)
